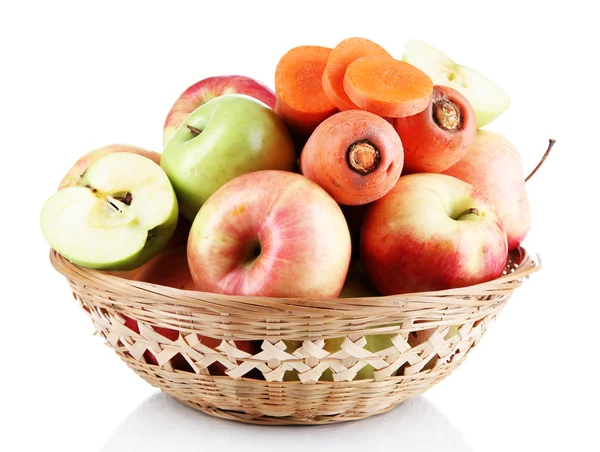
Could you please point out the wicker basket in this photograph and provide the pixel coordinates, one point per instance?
(253, 389)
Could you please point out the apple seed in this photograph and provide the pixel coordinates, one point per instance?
(125, 199)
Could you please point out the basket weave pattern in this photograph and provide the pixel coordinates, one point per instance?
(253, 389)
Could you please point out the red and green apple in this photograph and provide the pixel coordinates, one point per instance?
(207, 89)
(432, 232)
(224, 138)
(121, 214)
(493, 166)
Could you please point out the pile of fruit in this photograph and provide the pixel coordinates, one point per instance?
(361, 175)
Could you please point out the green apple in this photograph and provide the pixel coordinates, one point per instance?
(121, 214)
(226, 137)
(488, 99)
(375, 343)
(357, 285)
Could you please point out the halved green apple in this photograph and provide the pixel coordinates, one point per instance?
(121, 214)
(489, 100)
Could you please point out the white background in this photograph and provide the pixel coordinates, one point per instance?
(75, 77)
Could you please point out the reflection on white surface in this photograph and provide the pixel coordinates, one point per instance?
(161, 423)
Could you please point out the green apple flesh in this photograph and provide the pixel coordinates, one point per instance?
(489, 100)
(226, 137)
(121, 214)
(78, 170)
(375, 343)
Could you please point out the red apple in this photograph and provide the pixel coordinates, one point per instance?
(209, 88)
(80, 167)
(170, 268)
(493, 166)
(432, 232)
(270, 233)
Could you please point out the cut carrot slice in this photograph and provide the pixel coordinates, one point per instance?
(300, 99)
(387, 87)
(340, 58)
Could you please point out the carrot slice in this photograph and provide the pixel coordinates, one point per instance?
(300, 99)
(340, 58)
(387, 87)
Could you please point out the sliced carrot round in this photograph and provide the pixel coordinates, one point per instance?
(300, 99)
(341, 56)
(387, 87)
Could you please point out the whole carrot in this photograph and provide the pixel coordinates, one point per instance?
(356, 156)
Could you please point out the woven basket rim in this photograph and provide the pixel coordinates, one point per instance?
(468, 296)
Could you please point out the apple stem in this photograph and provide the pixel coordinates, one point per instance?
(194, 130)
(446, 114)
(469, 211)
(363, 157)
(551, 142)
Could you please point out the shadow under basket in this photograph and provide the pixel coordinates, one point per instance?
(264, 360)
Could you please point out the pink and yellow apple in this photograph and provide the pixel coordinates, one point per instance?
(270, 233)
(432, 232)
(74, 175)
(493, 166)
(209, 88)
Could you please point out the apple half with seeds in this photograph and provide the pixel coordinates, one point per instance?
(121, 214)
(488, 99)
